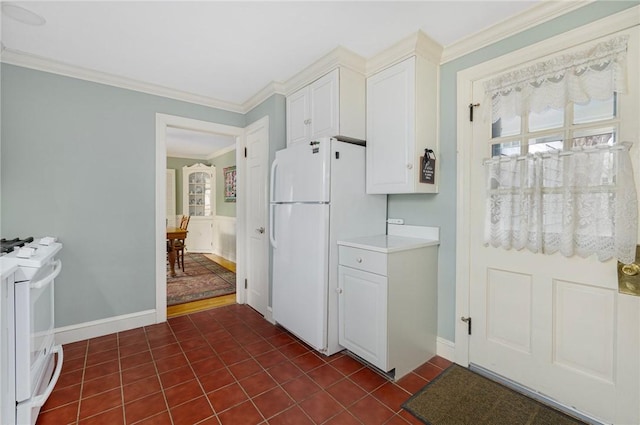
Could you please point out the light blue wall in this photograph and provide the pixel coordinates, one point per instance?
(78, 162)
(440, 210)
(223, 208)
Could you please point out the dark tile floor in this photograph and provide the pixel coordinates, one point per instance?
(222, 366)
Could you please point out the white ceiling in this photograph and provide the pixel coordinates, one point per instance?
(231, 50)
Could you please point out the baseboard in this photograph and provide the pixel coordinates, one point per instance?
(269, 316)
(446, 349)
(96, 328)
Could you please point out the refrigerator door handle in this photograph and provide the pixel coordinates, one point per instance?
(274, 165)
(272, 237)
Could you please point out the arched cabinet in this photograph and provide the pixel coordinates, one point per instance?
(198, 201)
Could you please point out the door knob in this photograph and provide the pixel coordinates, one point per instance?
(260, 230)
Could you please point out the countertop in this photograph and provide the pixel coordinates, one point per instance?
(388, 243)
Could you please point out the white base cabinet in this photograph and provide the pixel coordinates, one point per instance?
(387, 288)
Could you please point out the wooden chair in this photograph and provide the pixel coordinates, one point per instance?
(180, 243)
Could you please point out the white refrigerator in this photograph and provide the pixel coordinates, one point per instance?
(317, 197)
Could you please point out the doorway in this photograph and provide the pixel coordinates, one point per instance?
(168, 124)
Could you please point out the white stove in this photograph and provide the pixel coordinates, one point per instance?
(31, 355)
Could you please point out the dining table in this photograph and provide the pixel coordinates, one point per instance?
(174, 234)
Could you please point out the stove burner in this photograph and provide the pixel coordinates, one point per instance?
(7, 246)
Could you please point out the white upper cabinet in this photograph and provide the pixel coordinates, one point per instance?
(402, 122)
(333, 105)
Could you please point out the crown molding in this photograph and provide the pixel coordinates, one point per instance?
(269, 90)
(338, 57)
(222, 151)
(536, 15)
(416, 43)
(27, 60)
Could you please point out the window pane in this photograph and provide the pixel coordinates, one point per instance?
(506, 148)
(592, 137)
(503, 127)
(595, 110)
(546, 144)
(552, 118)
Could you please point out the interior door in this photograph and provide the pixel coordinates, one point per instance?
(257, 142)
(553, 324)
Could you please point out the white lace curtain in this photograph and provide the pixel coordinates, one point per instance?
(593, 73)
(577, 202)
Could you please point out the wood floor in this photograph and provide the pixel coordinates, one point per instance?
(201, 305)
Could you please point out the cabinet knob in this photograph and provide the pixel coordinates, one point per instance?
(339, 290)
(307, 121)
(409, 166)
(358, 260)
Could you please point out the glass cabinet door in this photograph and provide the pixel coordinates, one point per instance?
(199, 188)
(199, 194)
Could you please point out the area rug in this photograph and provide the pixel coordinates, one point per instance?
(202, 278)
(459, 396)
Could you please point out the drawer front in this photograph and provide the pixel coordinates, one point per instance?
(362, 259)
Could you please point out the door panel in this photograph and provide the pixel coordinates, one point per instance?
(297, 110)
(324, 106)
(363, 315)
(509, 309)
(200, 236)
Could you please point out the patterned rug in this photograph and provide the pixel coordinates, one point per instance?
(202, 278)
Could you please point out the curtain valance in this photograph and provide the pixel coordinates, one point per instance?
(581, 202)
(593, 73)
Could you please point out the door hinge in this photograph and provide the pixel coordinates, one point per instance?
(471, 106)
(245, 284)
(245, 152)
(467, 320)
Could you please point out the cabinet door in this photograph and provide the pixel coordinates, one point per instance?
(200, 236)
(363, 315)
(324, 113)
(391, 129)
(198, 201)
(298, 117)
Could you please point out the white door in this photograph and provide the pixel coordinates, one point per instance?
(391, 128)
(553, 324)
(298, 117)
(363, 314)
(257, 143)
(323, 110)
(200, 236)
(300, 242)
